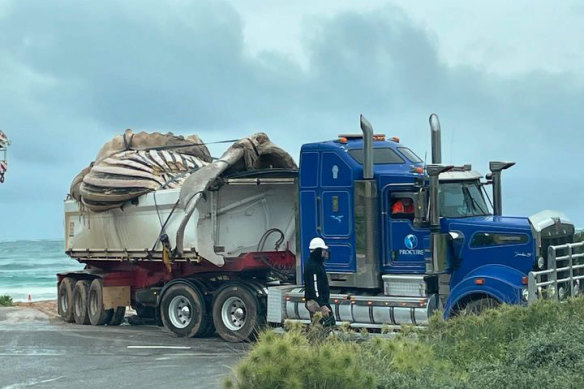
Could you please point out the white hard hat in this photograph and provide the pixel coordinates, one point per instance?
(317, 243)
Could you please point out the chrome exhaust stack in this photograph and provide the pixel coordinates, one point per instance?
(367, 130)
(436, 263)
(436, 139)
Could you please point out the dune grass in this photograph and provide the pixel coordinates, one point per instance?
(6, 301)
(511, 346)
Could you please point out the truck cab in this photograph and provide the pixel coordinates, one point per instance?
(452, 251)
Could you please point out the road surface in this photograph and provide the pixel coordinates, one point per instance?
(40, 351)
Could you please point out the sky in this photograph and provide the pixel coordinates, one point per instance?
(506, 79)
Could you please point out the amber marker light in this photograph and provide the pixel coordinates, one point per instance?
(524, 280)
(379, 137)
(479, 281)
(419, 169)
(395, 139)
(342, 139)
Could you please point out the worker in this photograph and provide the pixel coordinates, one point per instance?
(316, 287)
(405, 205)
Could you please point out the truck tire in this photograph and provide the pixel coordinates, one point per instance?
(236, 314)
(65, 299)
(80, 293)
(476, 307)
(184, 312)
(118, 316)
(97, 315)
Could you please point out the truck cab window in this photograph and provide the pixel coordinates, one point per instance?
(402, 208)
(462, 199)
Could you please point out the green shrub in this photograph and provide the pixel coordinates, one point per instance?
(6, 301)
(511, 346)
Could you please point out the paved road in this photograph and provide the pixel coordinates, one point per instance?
(40, 351)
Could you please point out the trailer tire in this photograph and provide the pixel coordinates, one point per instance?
(118, 315)
(183, 311)
(236, 313)
(98, 316)
(65, 299)
(80, 293)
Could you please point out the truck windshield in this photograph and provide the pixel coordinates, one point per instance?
(462, 199)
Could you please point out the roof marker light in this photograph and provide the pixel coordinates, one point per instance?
(342, 139)
(379, 137)
(395, 139)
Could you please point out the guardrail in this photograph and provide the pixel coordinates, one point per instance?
(556, 282)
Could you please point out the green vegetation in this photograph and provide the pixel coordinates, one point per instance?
(6, 301)
(511, 346)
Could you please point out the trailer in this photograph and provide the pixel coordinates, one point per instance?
(224, 253)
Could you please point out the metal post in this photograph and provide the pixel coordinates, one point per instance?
(531, 288)
(554, 267)
(572, 291)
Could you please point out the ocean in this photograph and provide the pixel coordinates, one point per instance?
(29, 267)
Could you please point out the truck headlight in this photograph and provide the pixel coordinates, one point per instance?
(561, 292)
(551, 291)
(525, 294)
(540, 263)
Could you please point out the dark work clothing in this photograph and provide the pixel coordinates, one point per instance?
(316, 285)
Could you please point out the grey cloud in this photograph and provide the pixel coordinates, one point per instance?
(76, 73)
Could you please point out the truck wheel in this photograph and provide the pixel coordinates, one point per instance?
(235, 313)
(97, 315)
(118, 316)
(183, 311)
(80, 293)
(476, 307)
(65, 299)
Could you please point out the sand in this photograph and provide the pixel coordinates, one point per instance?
(46, 306)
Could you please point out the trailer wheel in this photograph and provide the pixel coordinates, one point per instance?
(65, 299)
(118, 315)
(183, 311)
(97, 315)
(80, 292)
(236, 313)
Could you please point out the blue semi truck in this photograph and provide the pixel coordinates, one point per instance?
(455, 251)
(230, 258)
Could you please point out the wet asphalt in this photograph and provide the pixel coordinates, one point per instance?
(41, 351)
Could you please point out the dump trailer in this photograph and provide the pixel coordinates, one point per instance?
(227, 256)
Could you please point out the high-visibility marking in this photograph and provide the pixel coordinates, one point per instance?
(315, 286)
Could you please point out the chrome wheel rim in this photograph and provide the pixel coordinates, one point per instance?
(180, 312)
(234, 313)
(63, 303)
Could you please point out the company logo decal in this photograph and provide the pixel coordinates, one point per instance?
(518, 254)
(411, 241)
(335, 171)
(338, 218)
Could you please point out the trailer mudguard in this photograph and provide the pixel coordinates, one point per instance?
(500, 282)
